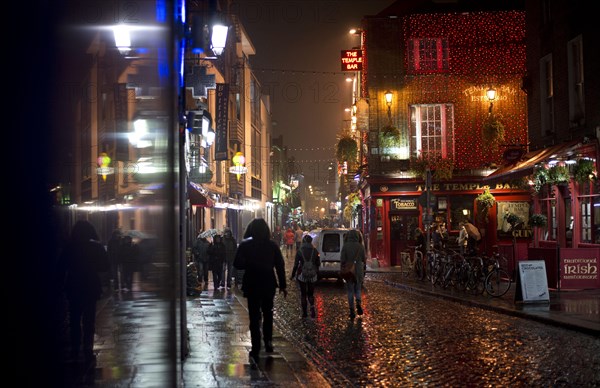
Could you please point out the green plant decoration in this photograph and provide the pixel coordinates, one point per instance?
(352, 206)
(540, 178)
(538, 220)
(493, 131)
(347, 150)
(389, 137)
(485, 201)
(418, 167)
(443, 169)
(584, 171)
(558, 175)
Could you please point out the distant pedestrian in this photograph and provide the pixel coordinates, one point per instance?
(305, 271)
(129, 255)
(81, 262)
(200, 253)
(354, 251)
(230, 249)
(113, 247)
(277, 235)
(298, 234)
(264, 269)
(289, 238)
(216, 260)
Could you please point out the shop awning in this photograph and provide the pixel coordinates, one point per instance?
(525, 166)
(197, 198)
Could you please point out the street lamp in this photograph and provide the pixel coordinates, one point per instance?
(388, 100)
(491, 95)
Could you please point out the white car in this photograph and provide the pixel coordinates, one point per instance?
(329, 243)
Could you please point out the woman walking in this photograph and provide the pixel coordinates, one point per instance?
(354, 251)
(305, 271)
(264, 267)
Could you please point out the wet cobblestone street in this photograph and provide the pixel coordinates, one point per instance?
(410, 339)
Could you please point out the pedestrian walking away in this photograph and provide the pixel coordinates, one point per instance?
(81, 262)
(200, 253)
(354, 251)
(129, 255)
(230, 249)
(298, 234)
(264, 267)
(305, 271)
(289, 239)
(216, 260)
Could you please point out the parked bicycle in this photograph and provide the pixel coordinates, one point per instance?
(498, 280)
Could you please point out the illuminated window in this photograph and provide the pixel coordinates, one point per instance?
(428, 55)
(432, 133)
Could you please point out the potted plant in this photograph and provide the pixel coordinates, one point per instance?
(537, 221)
(583, 170)
(485, 201)
(493, 131)
(347, 150)
(389, 137)
(558, 175)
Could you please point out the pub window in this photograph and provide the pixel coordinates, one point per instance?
(460, 208)
(432, 131)
(428, 55)
(548, 207)
(589, 206)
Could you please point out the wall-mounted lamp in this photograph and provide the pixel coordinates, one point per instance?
(219, 38)
(491, 95)
(388, 100)
(355, 31)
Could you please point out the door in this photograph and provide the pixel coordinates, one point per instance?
(402, 234)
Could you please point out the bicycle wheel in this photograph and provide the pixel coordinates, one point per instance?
(497, 283)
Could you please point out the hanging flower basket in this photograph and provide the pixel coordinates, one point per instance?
(389, 137)
(493, 131)
(584, 171)
(538, 220)
(558, 175)
(485, 201)
(347, 150)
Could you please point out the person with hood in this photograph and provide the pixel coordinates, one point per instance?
(216, 259)
(81, 262)
(230, 249)
(305, 271)
(354, 251)
(264, 271)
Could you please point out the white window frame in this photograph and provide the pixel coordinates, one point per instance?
(425, 119)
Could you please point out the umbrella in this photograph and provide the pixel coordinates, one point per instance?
(209, 233)
(472, 231)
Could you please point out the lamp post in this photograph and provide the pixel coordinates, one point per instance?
(388, 100)
(491, 95)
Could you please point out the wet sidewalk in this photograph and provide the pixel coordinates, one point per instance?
(130, 337)
(577, 310)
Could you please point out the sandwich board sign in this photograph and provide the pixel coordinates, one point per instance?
(532, 283)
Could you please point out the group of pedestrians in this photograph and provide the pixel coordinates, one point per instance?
(124, 258)
(215, 256)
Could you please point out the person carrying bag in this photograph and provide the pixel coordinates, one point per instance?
(306, 272)
(353, 253)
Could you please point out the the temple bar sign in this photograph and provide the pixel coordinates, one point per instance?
(351, 60)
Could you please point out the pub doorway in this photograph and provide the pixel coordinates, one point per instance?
(402, 234)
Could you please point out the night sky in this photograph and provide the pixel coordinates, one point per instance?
(298, 45)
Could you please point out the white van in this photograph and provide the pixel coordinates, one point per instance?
(329, 242)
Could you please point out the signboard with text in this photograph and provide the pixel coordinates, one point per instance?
(579, 268)
(532, 283)
(351, 60)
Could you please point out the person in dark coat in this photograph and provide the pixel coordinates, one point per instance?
(264, 267)
(130, 259)
(216, 259)
(230, 249)
(200, 252)
(113, 247)
(354, 251)
(82, 261)
(306, 283)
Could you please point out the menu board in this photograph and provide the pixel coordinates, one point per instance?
(532, 283)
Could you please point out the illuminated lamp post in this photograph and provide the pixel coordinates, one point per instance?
(103, 163)
(388, 100)
(491, 95)
(238, 167)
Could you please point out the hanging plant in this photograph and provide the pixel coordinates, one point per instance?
(538, 220)
(347, 150)
(389, 137)
(493, 131)
(352, 206)
(540, 178)
(584, 171)
(558, 175)
(485, 201)
(443, 169)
